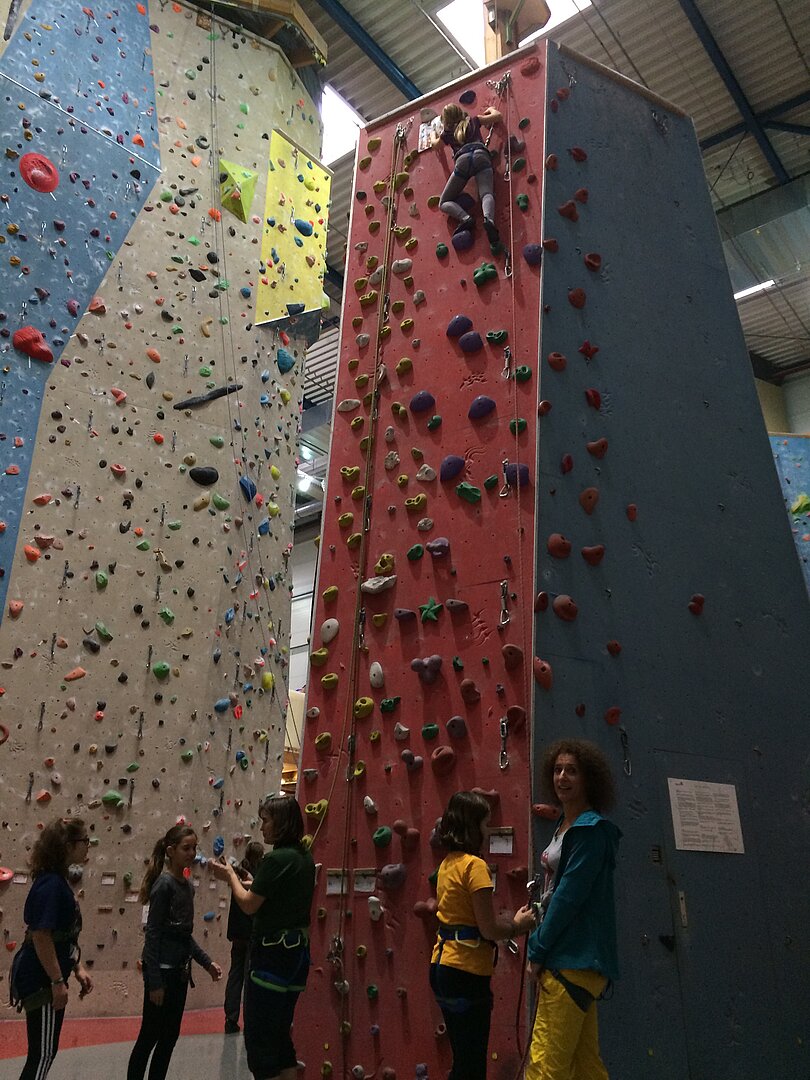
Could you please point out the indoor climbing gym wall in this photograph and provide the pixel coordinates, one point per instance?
(420, 672)
(791, 454)
(672, 622)
(149, 429)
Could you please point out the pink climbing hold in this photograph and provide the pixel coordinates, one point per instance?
(30, 341)
(120, 396)
(39, 173)
(15, 608)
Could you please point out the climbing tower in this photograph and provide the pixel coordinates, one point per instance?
(552, 510)
(160, 205)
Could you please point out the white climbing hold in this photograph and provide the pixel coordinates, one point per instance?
(369, 805)
(362, 340)
(376, 675)
(401, 267)
(375, 277)
(426, 473)
(375, 908)
(374, 585)
(313, 713)
(390, 434)
(391, 460)
(329, 630)
(401, 732)
(424, 524)
(348, 404)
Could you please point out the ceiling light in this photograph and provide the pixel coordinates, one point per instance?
(763, 285)
(304, 481)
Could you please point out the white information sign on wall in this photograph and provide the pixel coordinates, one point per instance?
(705, 816)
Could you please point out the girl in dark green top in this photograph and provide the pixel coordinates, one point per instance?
(279, 899)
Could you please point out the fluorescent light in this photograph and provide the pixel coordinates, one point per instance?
(304, 481)
(341, 125)
(763, 285)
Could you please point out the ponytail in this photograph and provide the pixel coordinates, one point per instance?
(156, 863)
(460, 134)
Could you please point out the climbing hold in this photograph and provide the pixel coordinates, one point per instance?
(497, 337)
(430, 731)
(451, 466)
(30, 341)
(581, 195)
(112, 798)
(522, 202)
(564, 607)
(559, 546)
(456, 727)
(518, 425)
(385, 563)
(376, 676)
(533, 254)
(631, 510)
(348, 405)
(485, 272)
(523, 373)
(613, 715)
(404, 614)
(569, 210)
(481, 406)
(469, 492)
(557, 361)
(439, 547)
(375, 908)
(593, 555)
(613, 647)
(248, 488)
(696, 603)
(329, 681)
(382, 836)
(512, 656)
(470, 693)
(378, 584)
(422, 402)
(401, 267)
(426, 474)
(285, 360)
(593, 261)
(323, 741)
(161, 669)
(543, 674)
(317, 809)
(442, 251)
(404, 365)
(430, 610)
(318, 657)
(588, 351)
(516, 474)
(363, 708)
(443, 759)
(427, 667)
(392, 876)
(39, 172)
(15, 608)
(329, 630)
(416, 502)
(577, 298)
(205, 476)
(588, 499)
(593, 398)
(462, 241)
(415, 552)
(470, 342)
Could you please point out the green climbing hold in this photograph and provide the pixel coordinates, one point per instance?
(519, 164)
(205, 371)
(415, 552)
(524, 122)
(102, 581)
(244, 107)
(497, 337)
(518, 425)
(485, 661)
(167, 615)
(166, 196)
(160, 669)
(523, 202)
(372, 992)
(103, 632)
(217, 441)
(143, 545)
(382, 837)
(441, 251)
(388, 704)
(133, 767)
(434, 422)
(491, 482)
(523, 373)
(468, 492)
(174, 525)
(112, 797)
(187, 755)
(219, 501)
(484, 273)
(430, 610)
(244, 763)
(430, 731)
(458, 663)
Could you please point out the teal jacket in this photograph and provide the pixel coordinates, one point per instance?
(579, 929)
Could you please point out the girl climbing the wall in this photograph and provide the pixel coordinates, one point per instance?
(464, 953)
(462, 133)
(279, 899)
(572, 953)
(168, 951)
(50, 952)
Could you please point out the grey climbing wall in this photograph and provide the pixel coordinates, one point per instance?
(147, 496)
(686, 657)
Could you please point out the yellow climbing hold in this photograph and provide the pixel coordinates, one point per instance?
(317, 809)
(329, 681)
(268, 680)
(330, 594)
(361, 381)
(380, 618)
(404, 365)
(402, 479)
(345, 520)
(357, 423)
(417, 502)
(323, 741)
(318, 657)
(350, 472)
(202, 501)
(354, 541)
(363, 707)
(358, 492)
(385, 564)
(353, 364)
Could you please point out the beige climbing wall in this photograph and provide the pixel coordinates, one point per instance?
(147, 665)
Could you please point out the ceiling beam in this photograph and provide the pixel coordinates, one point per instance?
(361, 37)
(791, 129)
(764, 117)
(723, 68)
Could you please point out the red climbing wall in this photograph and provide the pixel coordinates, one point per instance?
(422, 640)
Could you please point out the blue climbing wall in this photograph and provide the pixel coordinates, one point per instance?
(791, 454)
(686, 658)
(420, 676)
(94, 122)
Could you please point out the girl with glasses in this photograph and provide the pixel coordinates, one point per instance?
(50, 952)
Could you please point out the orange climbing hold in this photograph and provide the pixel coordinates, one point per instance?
(153, 355)
(76, 673)
(43, 499)
(214, 214)
(13, 470)
(15, 608)
(120, 396)
(31, 553)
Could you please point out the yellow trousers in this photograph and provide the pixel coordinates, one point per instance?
(565, 1040)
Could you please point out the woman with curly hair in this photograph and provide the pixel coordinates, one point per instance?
(572, 953)
(50, 951)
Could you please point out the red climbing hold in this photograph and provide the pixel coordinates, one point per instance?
(15, 608)
(576, 298)
(613, 647)
(597, 448)
(594, 398)
(581, 195)
(544, 408)
(588, 499)
(696, 603)
(543, 674)
(39, 172)
(569, 210)
(531, 66)
(564, 607)
(552, 162)
(588, 351)
(580, 709)
(516, 717)
(613, 715)
(545, 810)
(541, 601)
(631, 511)
(557, 361)
(558, 546)
(594, 554)
(593, 261)
(443, 759)
(566, 464)
(554, 105)
(551, 245)
(30, 341)
(577, 153)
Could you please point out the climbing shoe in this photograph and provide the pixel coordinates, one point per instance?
(465, 225)
(491, 230)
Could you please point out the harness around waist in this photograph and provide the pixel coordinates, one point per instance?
(467, 935)
(290, 939)
(291, 980)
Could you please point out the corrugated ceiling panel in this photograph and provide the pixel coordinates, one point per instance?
(776, 324)
(320, 367)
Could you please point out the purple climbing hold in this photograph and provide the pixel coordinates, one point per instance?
(456, 727)
(482, 406)
(459, 325)
(516, 474)
(411, 760)
(438, 547)
(404, 614)
(392, 876)
(470, 342)
(451, 467)
(467, 98)
(427, 667)
(452, 604)
(533, 254)
(462, 241)
(423, 401)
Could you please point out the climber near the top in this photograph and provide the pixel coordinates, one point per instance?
(462, 133)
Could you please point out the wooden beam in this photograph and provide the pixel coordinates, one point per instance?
(507, 21)
(289, 11)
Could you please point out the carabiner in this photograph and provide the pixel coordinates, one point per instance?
(506, 373)
(505, 614)
(506, 490)
(503, 760)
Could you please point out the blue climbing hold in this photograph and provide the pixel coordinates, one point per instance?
(209, 916)
(248, 488)
(219, 846)
(229, 616)
(482, 406)
(459, 325)
(285, 361)
(222, 705)
(264, 527)
(245, 292)
(265, 375)
(516, 475)
(294, 309)
(452, 465)
(304, 227)
(218, 784)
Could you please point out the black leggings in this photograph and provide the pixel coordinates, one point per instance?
(43, 1027)
(467, 1018)
(160, 1029)
(475, 163)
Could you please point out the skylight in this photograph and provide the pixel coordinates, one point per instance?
(465, 21)
(341, 126)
